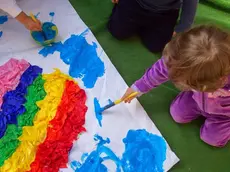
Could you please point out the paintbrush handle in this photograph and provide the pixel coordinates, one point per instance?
(131, 95)
(117, 102)
(33, 17)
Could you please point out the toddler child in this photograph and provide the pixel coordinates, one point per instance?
(198, 63)
(152, 20)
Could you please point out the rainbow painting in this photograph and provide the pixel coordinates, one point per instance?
(40, 117)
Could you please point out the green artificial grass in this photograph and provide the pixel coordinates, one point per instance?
(131, 60)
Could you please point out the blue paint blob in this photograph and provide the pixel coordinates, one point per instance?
(51, 49)
(3, 19)
(144, 152)
(47, 33)
(52, 16)
(84, 156)
(82, 58)
(98, 109)
(94, 161)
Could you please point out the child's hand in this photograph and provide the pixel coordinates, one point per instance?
(115, 1)
(126, 95)
(32, 25)
(29, 23)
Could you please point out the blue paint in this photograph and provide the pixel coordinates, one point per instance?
(82, 58)
(50, 49)
(84, 156)
(98, 110)
(3, 19)
(94, 161)
(47, 33)
(144, 152)
(52, 16)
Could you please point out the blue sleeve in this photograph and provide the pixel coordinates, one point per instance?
(187, 16)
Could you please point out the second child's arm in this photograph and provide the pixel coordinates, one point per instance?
(153, 77)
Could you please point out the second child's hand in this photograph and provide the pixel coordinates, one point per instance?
(28, 22)
(126, 97)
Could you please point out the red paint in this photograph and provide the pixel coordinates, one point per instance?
(52, 154)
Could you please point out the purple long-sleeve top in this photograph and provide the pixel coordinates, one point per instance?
(158, 74)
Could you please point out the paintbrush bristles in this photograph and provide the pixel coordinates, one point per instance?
(107, 106)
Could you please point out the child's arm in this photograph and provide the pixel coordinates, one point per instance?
(153, 77)
(188, 13)
(11, 7)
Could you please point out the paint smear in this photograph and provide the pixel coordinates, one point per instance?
(84, 156)
(0, 34)
(143, 152)
(3, 19)
(94, 161)
(81, 56)
(98, 109)
(50, 49)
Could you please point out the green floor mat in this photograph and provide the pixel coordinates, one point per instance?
(131, 60)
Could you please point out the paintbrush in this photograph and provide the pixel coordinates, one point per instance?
(34, 19)
(111, 104)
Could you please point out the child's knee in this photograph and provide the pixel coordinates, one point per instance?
(184, 109)
(177, 114)
(116, 31)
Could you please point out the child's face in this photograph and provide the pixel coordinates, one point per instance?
(184, 87)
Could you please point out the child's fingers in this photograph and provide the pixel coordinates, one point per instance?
(128, 100)
(128, 92)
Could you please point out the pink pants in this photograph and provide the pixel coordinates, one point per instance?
(216, 128)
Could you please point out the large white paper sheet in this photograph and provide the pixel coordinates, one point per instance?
(16, 42)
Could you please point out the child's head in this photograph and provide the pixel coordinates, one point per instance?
(199, 59)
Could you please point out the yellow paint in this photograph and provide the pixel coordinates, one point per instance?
(34, 135)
